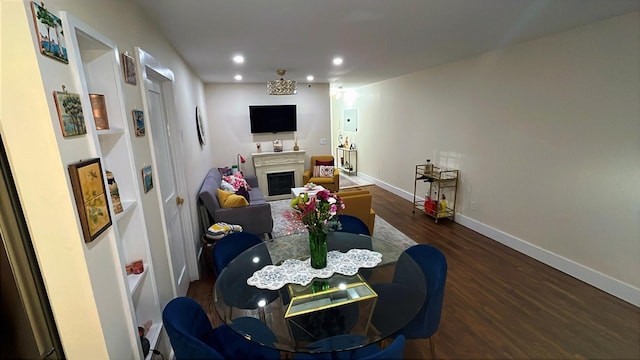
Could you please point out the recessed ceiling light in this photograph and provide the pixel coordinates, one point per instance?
(238, 77)
(337, 61)
(309, 77)
(238, 59)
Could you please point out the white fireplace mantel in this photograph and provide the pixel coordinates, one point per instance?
(265, 163)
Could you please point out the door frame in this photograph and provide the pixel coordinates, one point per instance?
(157, 71)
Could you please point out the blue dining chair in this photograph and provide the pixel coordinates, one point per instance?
(393, 351)
(192, 336)
(229, 247)
(352, 224)
(325, 324)
(433, 264)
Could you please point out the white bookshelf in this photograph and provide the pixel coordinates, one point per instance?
(95, 64)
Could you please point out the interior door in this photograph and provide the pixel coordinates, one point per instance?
(163, 138)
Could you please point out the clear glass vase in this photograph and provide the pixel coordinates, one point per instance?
(318, 249)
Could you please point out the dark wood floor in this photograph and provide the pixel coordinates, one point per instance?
(500, 304)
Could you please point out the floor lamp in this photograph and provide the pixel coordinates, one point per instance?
(240, 160)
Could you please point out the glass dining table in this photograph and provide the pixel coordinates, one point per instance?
(336, 313)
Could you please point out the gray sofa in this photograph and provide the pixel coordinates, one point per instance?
(255, 218)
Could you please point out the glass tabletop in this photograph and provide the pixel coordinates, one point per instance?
(334, 314)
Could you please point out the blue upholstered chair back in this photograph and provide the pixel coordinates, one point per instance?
(434, 267)
(238, 292)
(189, 328)
(394, 351)
(230, 246)
(325, 347)
(193, 337)
(352, 224)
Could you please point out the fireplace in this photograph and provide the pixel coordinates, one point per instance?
(269, 164)
(280, 183)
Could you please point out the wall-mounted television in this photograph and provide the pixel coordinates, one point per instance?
(273, 118)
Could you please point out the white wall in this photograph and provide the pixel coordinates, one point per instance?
(38, 170)
(90, 318)
(545, 135)
(229, 129)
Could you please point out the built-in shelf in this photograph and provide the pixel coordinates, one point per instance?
(95, 61)
(153, 335)
(111, 131)
(135, 280)
(127, 207)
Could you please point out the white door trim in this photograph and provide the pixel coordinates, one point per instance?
(148, 62)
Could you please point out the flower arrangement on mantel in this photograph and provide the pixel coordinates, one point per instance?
(319, 214)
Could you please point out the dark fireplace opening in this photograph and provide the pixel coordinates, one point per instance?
(280, 183)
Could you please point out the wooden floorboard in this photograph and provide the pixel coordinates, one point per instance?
(499, 303)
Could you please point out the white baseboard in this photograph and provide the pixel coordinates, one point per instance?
(606, 283)
(590, 276)
(397, 191)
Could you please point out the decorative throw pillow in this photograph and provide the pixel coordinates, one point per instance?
(226, 186)
(224, 170)
(324, 163)
(323, 171)
(231, 200)
(236, 181)
(244, 193)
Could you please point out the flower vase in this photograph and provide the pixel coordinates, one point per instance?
(318, 249)
(319, 285)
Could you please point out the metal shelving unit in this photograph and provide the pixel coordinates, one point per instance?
(347, 160)
(441, 188)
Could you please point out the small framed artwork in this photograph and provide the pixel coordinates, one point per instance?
(147, 178)
(50, 35)
(129, 68)
(91, 197)
(70, 113)
(138, 122)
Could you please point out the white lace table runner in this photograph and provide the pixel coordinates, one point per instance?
(294, 271)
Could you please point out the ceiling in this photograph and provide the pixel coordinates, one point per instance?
(378, 39)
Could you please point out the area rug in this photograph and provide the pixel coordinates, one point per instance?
(285, 224)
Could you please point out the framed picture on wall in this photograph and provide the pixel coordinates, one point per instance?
(90, 194)
(129, 68)
(147, 178)
(50, 35)
(138, 122)
(70, 113)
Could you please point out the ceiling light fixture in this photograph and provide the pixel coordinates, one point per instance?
(337, 61)
(238, 59)
(238, 77)
(281, 86)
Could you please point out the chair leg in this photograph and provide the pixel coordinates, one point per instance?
(433, 350)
